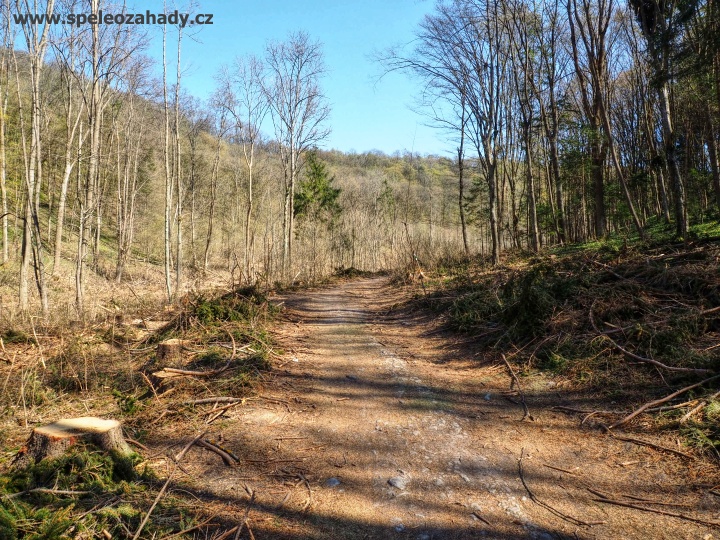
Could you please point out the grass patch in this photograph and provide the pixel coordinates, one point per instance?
(102, 493)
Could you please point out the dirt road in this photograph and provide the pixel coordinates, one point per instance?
(376, 425)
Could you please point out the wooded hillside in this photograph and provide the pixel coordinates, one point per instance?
(571, 121)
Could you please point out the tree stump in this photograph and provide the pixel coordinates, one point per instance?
(169, 352)
(55, 439)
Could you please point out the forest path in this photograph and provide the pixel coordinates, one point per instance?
(379, 426)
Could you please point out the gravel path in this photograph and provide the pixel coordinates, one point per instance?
(377, 427)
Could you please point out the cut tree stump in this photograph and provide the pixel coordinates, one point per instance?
(170, 352)
(53, 440)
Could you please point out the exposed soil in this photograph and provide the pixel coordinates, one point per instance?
(379, 425)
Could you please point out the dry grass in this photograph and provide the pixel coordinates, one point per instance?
(657, 304)
(101, 363)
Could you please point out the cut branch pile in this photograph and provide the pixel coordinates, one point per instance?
(641, 328)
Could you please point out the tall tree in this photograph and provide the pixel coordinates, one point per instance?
(107, 49)
(247, 103)
(68, 53)
(524, 28)
(589, 23)
(6, 42)
(130, 153)
(299, 111)
(36, 36)
(662, 24)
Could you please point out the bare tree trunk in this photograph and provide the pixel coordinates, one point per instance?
(461, 181)
(618, 168)
(669, 140)
(530, 179)
(32, 241)
(127, 186)
(249, 160)
(4, 95)
(291, 197)
(211, 208)
(178, 175)
(89, 197)
(655, 19)
(660, 168)
(299, 110)
(712, 150)
(493, 202)
(168, 172)
(588, 29)
(70, 162)
(3, 166)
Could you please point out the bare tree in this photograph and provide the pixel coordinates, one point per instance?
(526, 25)
(106, 49)
(6, 42)
(66, 50)
(461, 54)
(589, 26)
(36, 39)
(299, 111)
(177, 168)
(221, 127)
(130, 153)
(661, 23)
(247, 103)
(484, 45)
(168, 170)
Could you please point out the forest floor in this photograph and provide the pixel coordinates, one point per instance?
(379, 424)
(371, 420)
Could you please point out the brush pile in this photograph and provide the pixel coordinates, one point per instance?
(634, 326)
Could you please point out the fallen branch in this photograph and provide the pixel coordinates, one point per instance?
(702, 404)
(583, 411)
(657, 511)
(526, 411)
(214, 400)
(227, 534)
(190, 529)
(559, 469)
(641, 358)
(168, 372)
(217, 413)
(138, 444)
(537, 501)
(636, 499)
(610, 270)
(661, 401)
(150, 384)
(245, 518)
(229, 459)
(309, 501)
(176, 462)
(48, 491)
(652, 445)
(479, 517)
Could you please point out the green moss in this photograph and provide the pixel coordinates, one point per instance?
(55, 516)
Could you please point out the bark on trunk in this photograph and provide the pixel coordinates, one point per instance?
(53, 440)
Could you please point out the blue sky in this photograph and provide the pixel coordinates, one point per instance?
(366, 114)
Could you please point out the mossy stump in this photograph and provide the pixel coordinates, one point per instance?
(53, 440)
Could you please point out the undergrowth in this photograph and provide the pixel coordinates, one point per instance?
(226, 336)
(112, 367)
(655, 299)
(83, 494)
